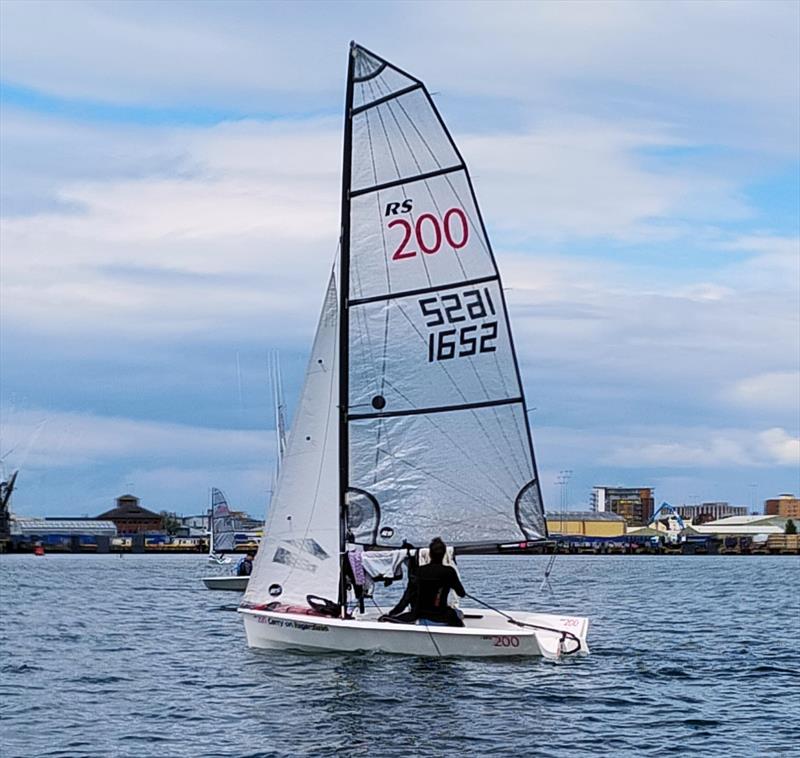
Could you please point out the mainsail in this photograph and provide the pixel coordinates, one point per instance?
(437, 435)
(223, 531)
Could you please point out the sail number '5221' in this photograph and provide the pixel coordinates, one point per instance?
(428, 232)
(459, 341)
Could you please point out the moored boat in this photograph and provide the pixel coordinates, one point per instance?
(230, 583)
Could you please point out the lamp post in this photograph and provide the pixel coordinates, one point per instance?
(562, 480)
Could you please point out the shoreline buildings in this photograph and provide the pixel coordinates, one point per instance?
(704, 512)
(634, 504)
(787, 506)
(131, 518)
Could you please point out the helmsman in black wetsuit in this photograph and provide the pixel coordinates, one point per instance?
(434, 582)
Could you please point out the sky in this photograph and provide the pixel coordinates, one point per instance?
(169, 199)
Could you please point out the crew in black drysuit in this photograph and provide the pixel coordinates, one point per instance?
(429, 591)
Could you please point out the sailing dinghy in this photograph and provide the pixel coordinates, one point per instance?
(222, 538)
(412, 420)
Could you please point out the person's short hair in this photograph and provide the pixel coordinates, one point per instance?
(437, 550)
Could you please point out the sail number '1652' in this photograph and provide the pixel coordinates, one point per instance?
(459, 341)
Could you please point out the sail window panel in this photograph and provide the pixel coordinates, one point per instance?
(457, 475)
(365, 64)
(419, 235)
(377, 83)
(398, 139)
(442, 348)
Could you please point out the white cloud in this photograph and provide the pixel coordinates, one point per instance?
(705, 448)
(767, 245)
(586, 178)
(255, 211)
(775, 390)
(78, 439)
(781, 447)
(735, 63)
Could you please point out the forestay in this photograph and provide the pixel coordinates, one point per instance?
(299, 554)
(223, 536)
(437, 433)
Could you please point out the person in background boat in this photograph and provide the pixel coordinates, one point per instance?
(245, 565)
(434, 582)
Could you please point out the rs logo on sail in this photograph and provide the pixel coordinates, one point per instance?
(394, 208)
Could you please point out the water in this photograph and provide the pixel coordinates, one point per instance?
(108, 656)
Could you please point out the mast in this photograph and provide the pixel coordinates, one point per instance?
(344, 325)
(211, 521)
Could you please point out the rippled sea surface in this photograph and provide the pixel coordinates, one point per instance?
(109, 656)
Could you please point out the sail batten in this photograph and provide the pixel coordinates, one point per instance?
(439, 409)
(407, 180)
(386, 98)
(423, 291)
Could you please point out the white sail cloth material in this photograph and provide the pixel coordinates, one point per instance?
(439, 441)
(299, 554)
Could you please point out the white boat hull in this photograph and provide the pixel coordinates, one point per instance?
(489, 635)
(232, 583)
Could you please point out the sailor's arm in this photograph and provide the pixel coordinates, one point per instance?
(456, 584)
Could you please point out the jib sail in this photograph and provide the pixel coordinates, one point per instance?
(299, 553)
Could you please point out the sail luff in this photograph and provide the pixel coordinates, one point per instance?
(344, 323)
